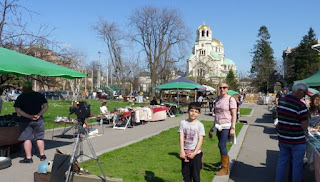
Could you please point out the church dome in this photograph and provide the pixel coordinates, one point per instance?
(228, 61)
(190, 56)
(216, 43)
(215, 55)
(205, 27)
(223, 75)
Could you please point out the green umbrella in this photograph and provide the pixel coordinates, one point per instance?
(12, 62)
(178, 85)
(232, 92)
(113, 87)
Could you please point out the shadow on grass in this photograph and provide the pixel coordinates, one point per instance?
(211, 166)
(151, 177)
(175, 154)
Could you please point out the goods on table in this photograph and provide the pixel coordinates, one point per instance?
(9, 120)
(65, 120)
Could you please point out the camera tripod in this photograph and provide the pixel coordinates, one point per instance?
(78, 149)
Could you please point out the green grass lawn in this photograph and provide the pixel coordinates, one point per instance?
(156, 158)
(245, 111)
(61, 108)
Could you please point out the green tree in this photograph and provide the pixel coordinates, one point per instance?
(232, 80)
(263, 63)
(306, 60)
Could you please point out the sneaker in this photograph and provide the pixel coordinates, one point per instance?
(25, 160)
(43, 157)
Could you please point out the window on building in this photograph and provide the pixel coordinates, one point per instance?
(201, 72)
(202, 52)
(207, 33)
(202, 33)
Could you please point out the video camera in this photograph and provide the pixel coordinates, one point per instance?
(82, 110)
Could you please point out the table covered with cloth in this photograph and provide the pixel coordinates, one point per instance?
(158, 113)
(151, 113)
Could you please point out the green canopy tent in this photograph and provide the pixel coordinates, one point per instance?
(232, 92)
(312, 81)
(12, 62)
(113, 87)
(178, 86)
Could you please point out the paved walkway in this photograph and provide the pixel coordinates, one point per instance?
(110, 140)
(258, 156)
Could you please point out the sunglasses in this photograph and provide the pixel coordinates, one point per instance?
(223, 88)
(305, 93)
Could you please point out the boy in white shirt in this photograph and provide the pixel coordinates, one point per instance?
(191, 137)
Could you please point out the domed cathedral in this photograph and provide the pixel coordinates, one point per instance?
(207, 59)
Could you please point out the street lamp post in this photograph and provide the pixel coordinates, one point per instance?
(107, 72)
(98, 78)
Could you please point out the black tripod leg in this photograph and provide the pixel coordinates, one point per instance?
(68, 129)
(94, 156)
(73, 157)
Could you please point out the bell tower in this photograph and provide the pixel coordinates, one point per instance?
(204, 33)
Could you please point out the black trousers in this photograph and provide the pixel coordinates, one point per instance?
(210, 106)
(191, 169)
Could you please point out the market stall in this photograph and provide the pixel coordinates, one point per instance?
(12, 62)
(179, 84)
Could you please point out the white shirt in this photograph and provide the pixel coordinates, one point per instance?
(103, 109)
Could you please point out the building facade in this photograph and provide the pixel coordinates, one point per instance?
(207, 59)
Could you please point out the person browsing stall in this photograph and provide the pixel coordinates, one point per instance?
(154, 101)
(225, 109)
(281, 94)
(191, 137)
(293, 121)
(31, 106)
(315, 105)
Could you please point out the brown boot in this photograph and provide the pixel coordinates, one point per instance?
(225, 166)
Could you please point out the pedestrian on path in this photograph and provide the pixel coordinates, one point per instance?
(31, 105)
(225, 109)
(292, 121)
(191, 137)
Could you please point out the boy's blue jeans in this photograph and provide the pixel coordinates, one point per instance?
(294, 153)
(223, 137)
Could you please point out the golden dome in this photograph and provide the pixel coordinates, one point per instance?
(205, 27)
(217, 42)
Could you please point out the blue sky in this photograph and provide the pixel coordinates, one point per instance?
(234, 22)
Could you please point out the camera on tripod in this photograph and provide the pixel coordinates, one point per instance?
(82, 111)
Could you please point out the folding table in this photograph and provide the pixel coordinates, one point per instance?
(127, 116)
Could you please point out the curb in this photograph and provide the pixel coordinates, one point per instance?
(233, 154)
